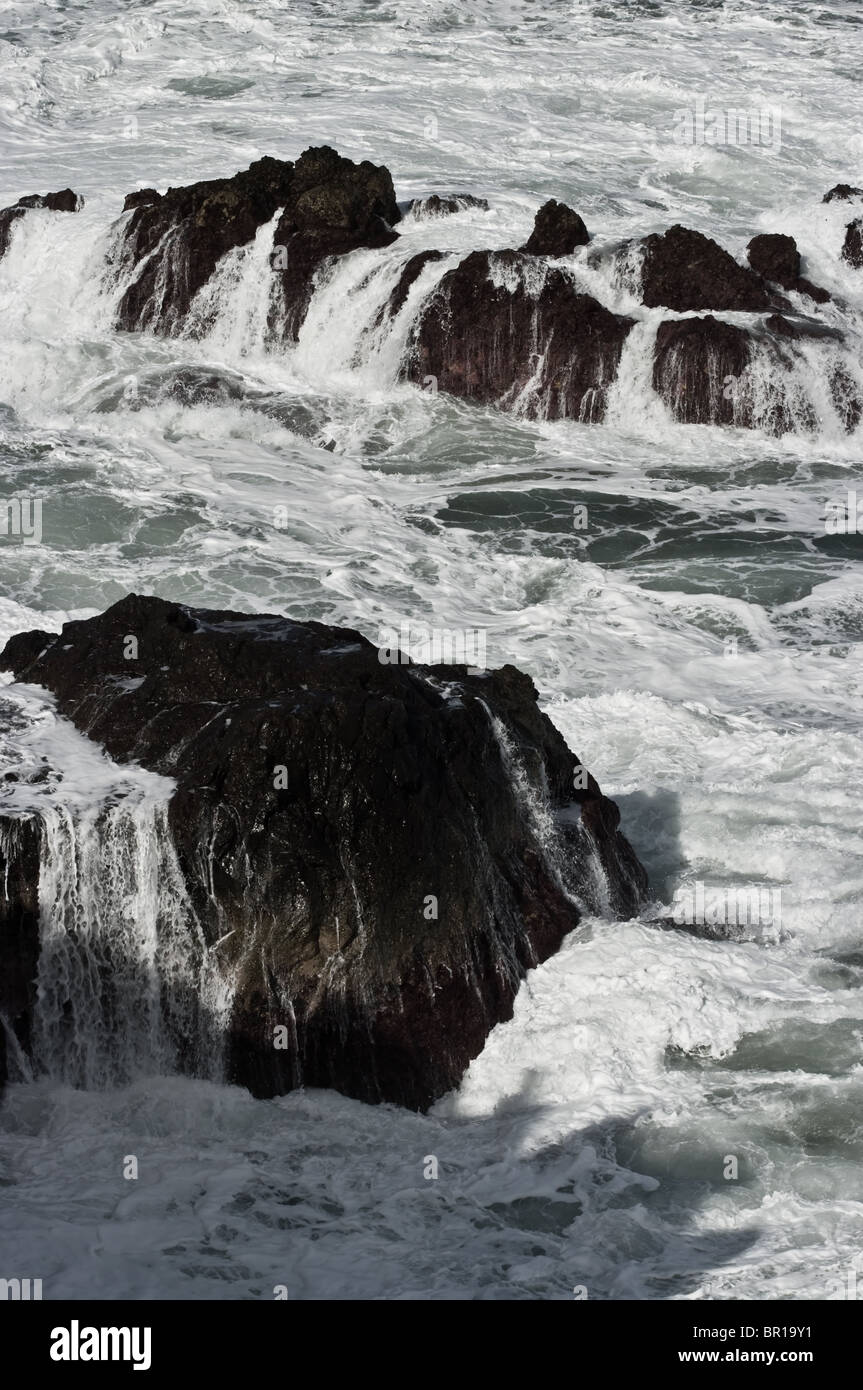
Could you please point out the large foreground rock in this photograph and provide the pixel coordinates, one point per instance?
(502, 328)
(375, 847)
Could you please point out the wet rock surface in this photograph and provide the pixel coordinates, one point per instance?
(174, 241)
(446, 204)
(380, 850)
(557, 231)
(499, 329)
(774, 256)
(683, 269)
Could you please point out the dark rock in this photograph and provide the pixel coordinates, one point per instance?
(557, 230)
(8, 218)
(488, 339)
(783, 327)
(778, 323)
(444, 205)
(698, 370)
(682, 269)
(331, 206)
(702, 370)
(140, 198)
(816, 292)
(852, 248)
(192, 228)
(774, 256)
(64, 201)
(401, 787)
(842, 192)
(335, 206)
(846, 397)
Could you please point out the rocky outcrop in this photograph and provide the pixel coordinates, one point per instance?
(174, 241)
(501, 329)
(711, 372)
(444, 205)
(842, 192)
(375, 852)
(335, 206)
(682, 269)
(775, 257)
(557, 231)
(64, 201)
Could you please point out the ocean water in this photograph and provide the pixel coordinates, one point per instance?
(698, 644)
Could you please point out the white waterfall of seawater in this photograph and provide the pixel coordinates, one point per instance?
(591, 895)
(64, 274)
(632, 403)
(807, 388)
(125, 985)
(233, 309)
(348, 335)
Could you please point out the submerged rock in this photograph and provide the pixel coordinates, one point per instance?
(445, 205)
(557, 230)
(501, 329)
(64, 201)
(381, 851)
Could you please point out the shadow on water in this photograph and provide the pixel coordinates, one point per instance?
(651, 823)
(621, 1221)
